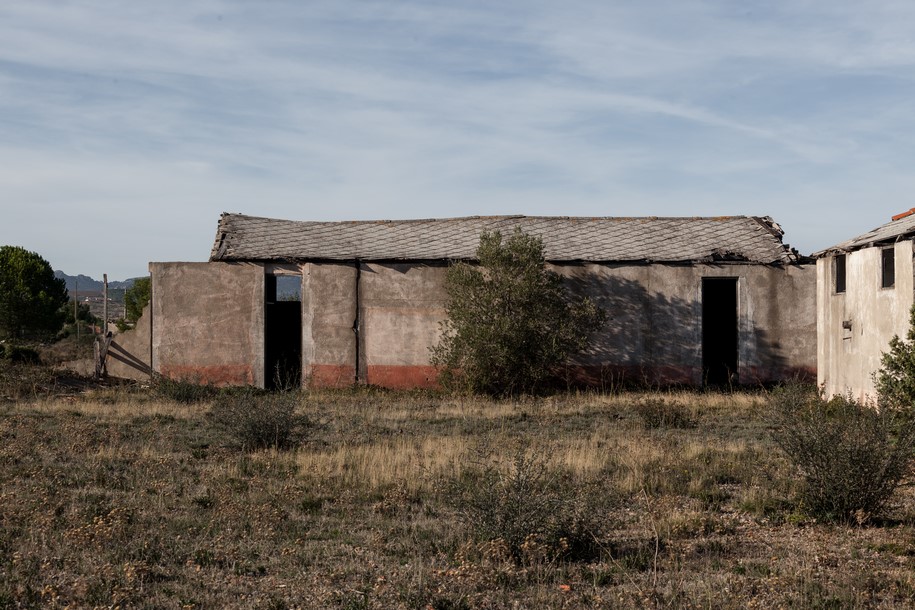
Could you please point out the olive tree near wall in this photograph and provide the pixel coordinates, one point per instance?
(32, 300)
(510, 321)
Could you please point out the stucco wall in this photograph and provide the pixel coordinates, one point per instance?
(328, 317)
(402, 306)
(375, 322)
(654, 331)
(397, 309)
(778, 332)
(208, 322)
(848, 357)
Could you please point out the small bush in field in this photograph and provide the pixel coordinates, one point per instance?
(184, 391)
(23, 381)
(258, 420)
(658, 413)
(851, 456)
(528, 511)
(19, 354)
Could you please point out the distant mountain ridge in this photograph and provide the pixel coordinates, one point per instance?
(84, 283)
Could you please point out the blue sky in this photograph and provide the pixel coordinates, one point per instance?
(126, 128)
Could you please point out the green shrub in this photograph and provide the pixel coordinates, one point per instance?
(19, 354)
(658, 413)
(182, 390)
(852, 457)
(532, 513)
(895, 380)
(258, 420)
(511, 322)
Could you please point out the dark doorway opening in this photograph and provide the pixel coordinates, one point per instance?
(719, 331)
(282, 334)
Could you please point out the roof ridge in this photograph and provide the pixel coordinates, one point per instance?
(491, 217)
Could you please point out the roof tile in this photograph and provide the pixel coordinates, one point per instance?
(901, 228)
(748, 238)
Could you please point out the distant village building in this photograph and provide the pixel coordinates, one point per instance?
(690, 300)
(864, 296)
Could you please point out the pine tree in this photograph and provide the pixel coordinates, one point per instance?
(32, 300)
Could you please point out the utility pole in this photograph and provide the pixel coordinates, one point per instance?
(76, 312)
(105, 308)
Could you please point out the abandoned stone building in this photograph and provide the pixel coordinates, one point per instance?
(864, 295)
(689, 300)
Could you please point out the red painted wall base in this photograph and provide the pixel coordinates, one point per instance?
(217, 375)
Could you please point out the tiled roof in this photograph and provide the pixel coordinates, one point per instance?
(726, 238)
(904, 228)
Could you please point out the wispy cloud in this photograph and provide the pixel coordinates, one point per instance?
(161, 115)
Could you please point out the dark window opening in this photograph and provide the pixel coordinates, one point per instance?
(282, 332)
(840, 273)
(719, 332)
(888, 256)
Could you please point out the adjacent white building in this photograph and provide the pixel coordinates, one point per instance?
(864, 296)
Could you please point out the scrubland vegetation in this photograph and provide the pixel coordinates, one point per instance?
(124, 497)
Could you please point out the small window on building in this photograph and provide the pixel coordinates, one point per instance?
(840, 273)
(888, 257)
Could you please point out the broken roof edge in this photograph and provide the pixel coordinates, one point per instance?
(856, 243)
(901, 228)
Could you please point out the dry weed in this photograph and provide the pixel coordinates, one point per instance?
(122, 498)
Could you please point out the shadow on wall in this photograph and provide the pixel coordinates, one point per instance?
(656, 339)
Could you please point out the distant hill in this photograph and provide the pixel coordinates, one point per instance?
(88, 284)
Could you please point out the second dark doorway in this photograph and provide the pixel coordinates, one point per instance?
(719, 331)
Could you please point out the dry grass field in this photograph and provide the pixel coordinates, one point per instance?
(117, 497)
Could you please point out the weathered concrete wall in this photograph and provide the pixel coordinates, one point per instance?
(375, 323)
(208, 322)
(854, 328)
(396, 309)
(129, 352)
(654, 330)
(779, 332)
(328, 319)
(401, 308)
